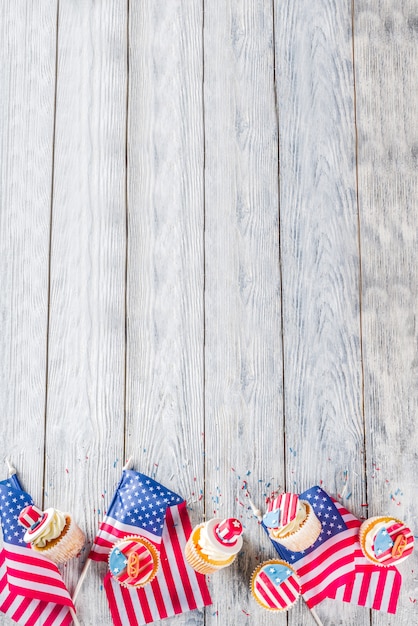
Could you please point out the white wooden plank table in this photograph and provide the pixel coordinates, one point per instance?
(208, 261)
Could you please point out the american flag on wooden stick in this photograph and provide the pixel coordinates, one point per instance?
(143, 507)
(32, 591)
(334, 566)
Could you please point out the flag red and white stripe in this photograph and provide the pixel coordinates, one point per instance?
(331, 564)
(175, 589)
(110, 531)
(370, 586)
(28, 610)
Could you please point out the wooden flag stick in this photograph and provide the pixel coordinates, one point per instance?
(81, 579)
(259, 515)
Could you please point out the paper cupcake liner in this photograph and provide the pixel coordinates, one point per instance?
(305, 536)
(365, 528)
(197, 562)
(259, 601)
(155, 557)
(65, 547)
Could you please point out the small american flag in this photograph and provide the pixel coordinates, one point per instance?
(334, 567)
(32, 591)
(143, 507)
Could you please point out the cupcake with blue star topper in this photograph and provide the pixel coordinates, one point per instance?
(386, 541)
(275, 586)
(291, 522)
(133, 561)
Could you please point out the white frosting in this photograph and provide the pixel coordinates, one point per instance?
(301, 515)
(209, 548)
(53, 528)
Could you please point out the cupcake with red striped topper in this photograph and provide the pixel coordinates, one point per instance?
(292, 522)
(51, 533)
(386, 541)
(133, 562)
(275, 585)
(214, 545)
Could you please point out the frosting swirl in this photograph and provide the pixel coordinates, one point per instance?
(51, 531)
(207, 547)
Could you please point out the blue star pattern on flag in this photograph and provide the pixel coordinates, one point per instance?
(12, 500)
(139, 502)
(31, 588)
(143, 507)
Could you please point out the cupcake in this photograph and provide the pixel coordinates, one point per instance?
(214, 545)
(133, 562)
(275, 585)
(292, 522)
(385, 541)
(52, 533)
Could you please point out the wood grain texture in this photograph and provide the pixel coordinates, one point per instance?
(243, 348)
(165, 251)
(386, 59)
(194, 272)
(85, 411)
(320, 258)
(27, 85)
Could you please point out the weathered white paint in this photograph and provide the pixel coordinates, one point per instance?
(165, 376)
(320, 256)
(85, 411)
(386, 58)
(243, 347)
(26, 140)
(215, 286)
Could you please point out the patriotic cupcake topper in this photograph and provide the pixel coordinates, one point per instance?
(30, 516)
(281, 511)
(225, 534)
(35, 521)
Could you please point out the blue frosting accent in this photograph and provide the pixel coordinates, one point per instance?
(117, 561)
(382, 542)
(277, 573)
(272, 519)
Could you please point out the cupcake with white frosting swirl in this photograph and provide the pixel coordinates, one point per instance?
(214, 545)
(292, 522)
(52, 533)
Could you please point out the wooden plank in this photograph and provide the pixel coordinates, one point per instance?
(26, 139)
(386, 61)
(320, 258)
(243, 348)
(165, 372)
(85, 416)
